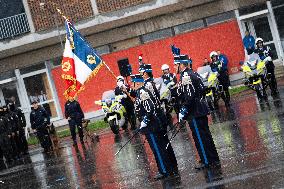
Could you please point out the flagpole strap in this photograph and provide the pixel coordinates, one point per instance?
(109, 69)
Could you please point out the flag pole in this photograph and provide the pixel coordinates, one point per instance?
(109, 69)
(65, 18)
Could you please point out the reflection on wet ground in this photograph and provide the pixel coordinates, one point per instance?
(249, 139)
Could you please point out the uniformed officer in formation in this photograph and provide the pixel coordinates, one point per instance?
(153, 127)
(13, 143)
(191, 93)
(75, 116)
(21, 121)
(40, 120)
(5, 138)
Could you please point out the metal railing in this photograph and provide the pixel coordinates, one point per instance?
(13, 26)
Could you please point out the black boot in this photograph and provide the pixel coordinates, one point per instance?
(160, 176)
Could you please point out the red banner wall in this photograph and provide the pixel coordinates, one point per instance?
(198, 44)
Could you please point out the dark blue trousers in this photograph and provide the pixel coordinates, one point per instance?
(203, 140)
(165, 158)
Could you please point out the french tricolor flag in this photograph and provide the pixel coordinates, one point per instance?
(80, 62)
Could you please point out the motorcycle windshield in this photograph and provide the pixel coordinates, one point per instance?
(204, 69)
(204, 72)
(108, 95)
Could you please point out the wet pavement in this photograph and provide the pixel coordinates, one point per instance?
(249, 139)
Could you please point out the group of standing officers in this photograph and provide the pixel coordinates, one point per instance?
(189, 102)
(190, 106)
(13, 143)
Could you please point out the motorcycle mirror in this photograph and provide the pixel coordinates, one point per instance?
(98, 102)
(241, 62)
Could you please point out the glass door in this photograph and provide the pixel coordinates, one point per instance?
(261, 27)
(38, 88)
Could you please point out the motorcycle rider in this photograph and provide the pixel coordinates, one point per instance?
(191, 92)
(223, 77)
(224, 59)
(170, 80)
(151, 127)
(265, 54)
(40, 119)
(123, 89)
(75, 116)
(21, 127)
(5, 135)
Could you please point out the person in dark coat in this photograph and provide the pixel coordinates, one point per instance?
(40, 120)
(191, 92)
(23, 144)
(153, 129)
(75, 116)
(5, 137)
(13, 126)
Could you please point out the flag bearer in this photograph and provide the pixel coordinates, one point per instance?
(75, 116)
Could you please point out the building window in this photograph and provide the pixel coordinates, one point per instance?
(10, 8)
(276, 3)
(220, 18)
(38, 88)
(56, 61)
(252, 8)
(157, 35)
(189, 26)
(32, 68)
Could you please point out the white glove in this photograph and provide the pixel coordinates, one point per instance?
(180, 117)
(143, 125)
(268, 59)
(120, 84)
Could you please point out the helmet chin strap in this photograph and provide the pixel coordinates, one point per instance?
(178, 71)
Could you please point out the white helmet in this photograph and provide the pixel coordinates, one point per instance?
(119, 78)
(165, 67)
(213, 53)
(258, 40)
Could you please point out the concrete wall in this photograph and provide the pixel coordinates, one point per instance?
(199, 43)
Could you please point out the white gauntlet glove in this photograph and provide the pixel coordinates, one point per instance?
(143, 124)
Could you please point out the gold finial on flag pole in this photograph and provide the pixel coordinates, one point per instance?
(54, 5)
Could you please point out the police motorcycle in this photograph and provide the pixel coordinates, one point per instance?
(114, 111)
(210, 82)
(256, 77)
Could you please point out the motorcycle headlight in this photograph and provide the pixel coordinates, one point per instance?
(105, 110)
